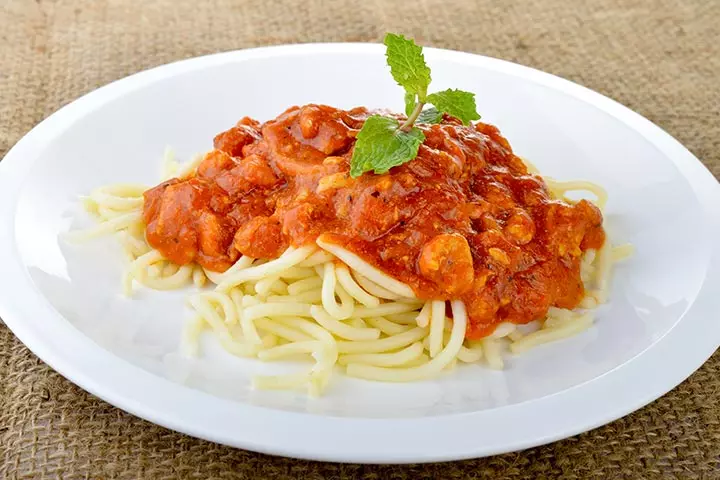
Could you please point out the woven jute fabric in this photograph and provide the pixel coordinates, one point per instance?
(660, 58)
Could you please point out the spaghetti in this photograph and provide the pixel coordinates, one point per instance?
(325, 302)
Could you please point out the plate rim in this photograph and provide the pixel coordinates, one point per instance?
(311, 436)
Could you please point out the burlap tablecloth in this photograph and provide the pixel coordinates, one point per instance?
(661, 58)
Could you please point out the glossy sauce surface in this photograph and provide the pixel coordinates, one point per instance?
(464, 219)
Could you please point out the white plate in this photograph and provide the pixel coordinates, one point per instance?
(64, 303)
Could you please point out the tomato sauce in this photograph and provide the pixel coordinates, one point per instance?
(465, 219)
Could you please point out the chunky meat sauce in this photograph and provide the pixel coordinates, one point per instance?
(464, 219)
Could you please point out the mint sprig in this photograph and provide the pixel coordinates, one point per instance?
(383, 142)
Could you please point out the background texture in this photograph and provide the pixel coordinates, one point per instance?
(660, 58)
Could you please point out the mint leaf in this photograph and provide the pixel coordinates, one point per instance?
(457, 103)
(431, 115)
(410, 99)
(381, 145)
(407, 65)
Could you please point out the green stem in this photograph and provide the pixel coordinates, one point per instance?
(407, 125)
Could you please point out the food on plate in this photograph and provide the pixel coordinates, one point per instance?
(391, 245)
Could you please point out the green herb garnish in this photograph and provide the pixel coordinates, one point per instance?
(383, 142)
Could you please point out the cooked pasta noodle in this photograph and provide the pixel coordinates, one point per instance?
(327, 303)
